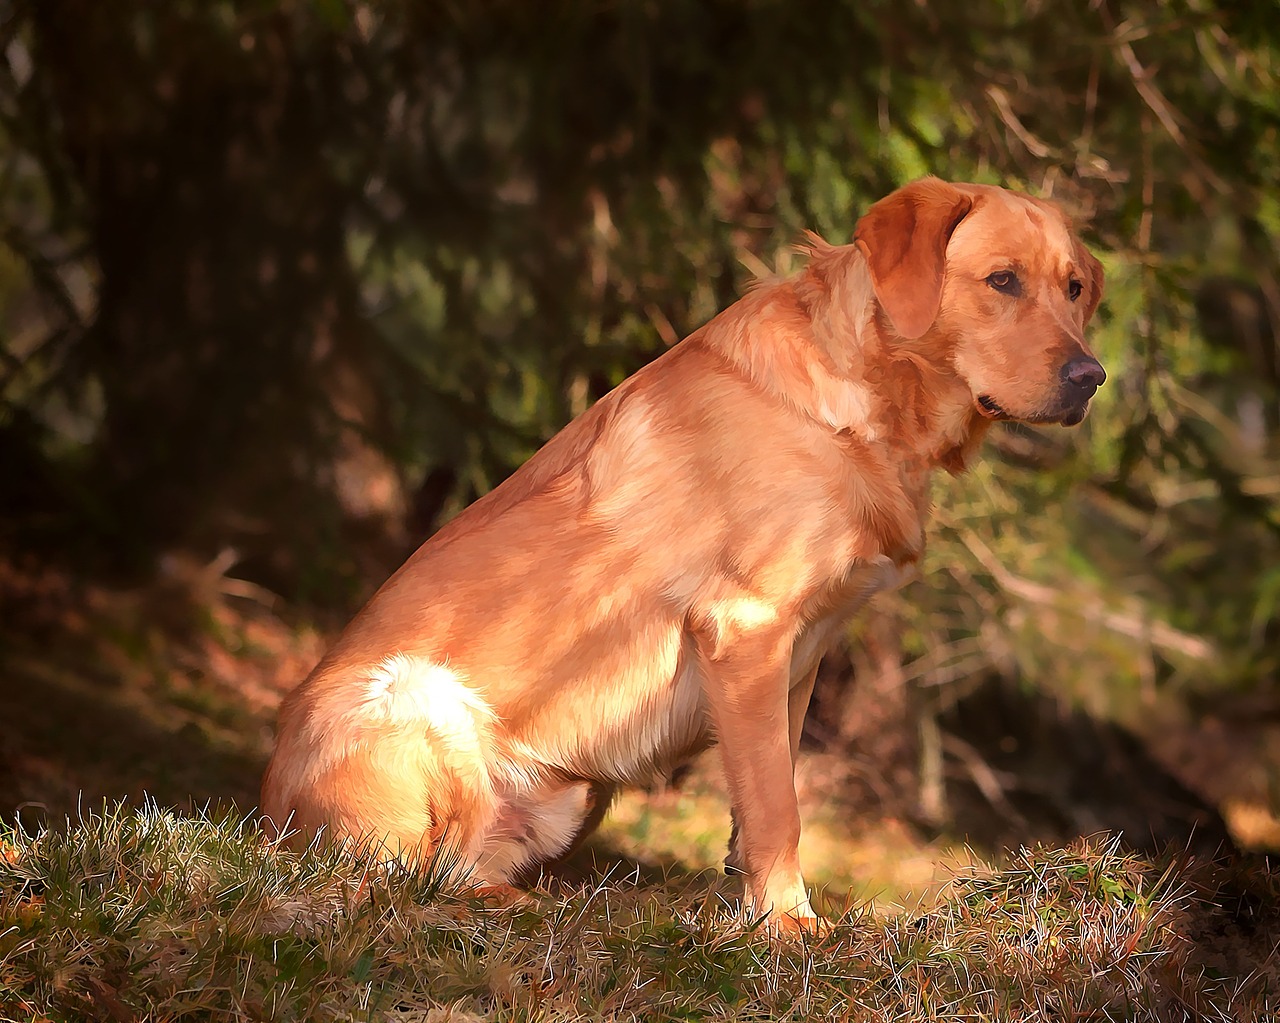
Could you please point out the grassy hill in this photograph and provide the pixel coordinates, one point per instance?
(133, 915)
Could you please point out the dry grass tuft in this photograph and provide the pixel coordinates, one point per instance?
(150, 915)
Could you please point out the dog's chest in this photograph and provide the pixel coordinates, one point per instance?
(834, 608)
(861, 583)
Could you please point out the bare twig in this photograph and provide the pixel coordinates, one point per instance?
(1135, 626)
(1155, 100)
(1000, 99)
(984, 777)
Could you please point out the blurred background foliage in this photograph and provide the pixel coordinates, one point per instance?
(286, 284)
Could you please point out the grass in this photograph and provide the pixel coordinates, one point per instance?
(147, 914)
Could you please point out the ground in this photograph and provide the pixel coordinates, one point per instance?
(167, 693)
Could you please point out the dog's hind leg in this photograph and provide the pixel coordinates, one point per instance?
(537, 826)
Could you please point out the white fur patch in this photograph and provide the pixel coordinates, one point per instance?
(731, 618)
(532, 827)
(405, 690)
(742, 614)
(844, 405)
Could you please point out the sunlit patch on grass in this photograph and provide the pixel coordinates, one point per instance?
(881, 862)
(1253, 825)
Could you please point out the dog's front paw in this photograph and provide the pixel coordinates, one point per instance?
(503, 896)
(787, 923)
(796, 925)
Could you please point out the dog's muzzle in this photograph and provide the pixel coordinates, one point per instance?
(1079, 381)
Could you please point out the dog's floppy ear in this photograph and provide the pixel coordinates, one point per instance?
(904, 239)
(1094, 280)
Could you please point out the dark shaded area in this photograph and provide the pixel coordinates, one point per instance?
(165, 692)
(218, 163)
(1003, 765)
(598, 859)
(1022, 768)
(1230, 920)
(69, 742)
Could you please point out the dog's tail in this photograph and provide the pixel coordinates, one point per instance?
(400, 752)
(414, 694)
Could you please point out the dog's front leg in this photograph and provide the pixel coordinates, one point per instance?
(797, 707)
(747, 681)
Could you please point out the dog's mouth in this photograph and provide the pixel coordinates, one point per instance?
(990, 408)
(1071, 416)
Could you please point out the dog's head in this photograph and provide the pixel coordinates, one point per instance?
(999, 281)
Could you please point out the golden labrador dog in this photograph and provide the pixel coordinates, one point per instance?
(667, 571)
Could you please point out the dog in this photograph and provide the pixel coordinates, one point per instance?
(665, 573)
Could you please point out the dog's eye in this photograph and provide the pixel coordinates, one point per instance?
(1074, 288)
(1006, 282)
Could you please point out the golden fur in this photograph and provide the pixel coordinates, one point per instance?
(667, 571)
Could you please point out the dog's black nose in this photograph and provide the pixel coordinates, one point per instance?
(1085, 373)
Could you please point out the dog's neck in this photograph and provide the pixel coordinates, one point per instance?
(859, 343)
(827, 350)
